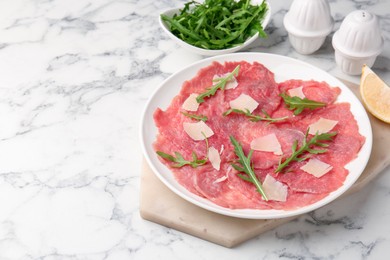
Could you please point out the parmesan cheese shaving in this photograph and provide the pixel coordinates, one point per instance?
(221, 179)
(198, 131)
(267, 143)
(214, 158)
(222, 149)
(225, 177)
(322, 126)
(244, 102)
(316, 167)
(231, 84)
(190, 104)
(296, 92)
(275, 190)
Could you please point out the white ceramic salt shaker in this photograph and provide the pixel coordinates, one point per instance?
(308, 22)
(358, 41)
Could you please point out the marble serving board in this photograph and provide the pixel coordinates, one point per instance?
(160, 205)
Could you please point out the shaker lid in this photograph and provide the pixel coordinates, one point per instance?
(309, 18)
(359, 35)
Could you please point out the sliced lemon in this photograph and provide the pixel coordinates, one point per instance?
(375, 94)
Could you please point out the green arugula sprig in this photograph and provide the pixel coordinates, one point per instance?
(195, 116)
(180, 161)
(255, 118)
(216, 24)
(246, 167)
(298, 104)
(307, 147)
(220, 84)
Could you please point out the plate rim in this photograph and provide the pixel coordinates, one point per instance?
(244, 213)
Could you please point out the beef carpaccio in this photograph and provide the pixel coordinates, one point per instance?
(222, 185)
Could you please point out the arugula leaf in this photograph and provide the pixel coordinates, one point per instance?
(216, 24)
(246, 167)
(298, 104)
(180, 161)
(307, 147)
(254, 118)
(220, 84)
(195, 116)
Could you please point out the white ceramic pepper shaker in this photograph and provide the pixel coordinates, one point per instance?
(358, 41)
(308, 22)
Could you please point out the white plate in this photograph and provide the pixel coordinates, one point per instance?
(284, 68)
(206, 52)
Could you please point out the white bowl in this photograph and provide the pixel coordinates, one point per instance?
(206, 52)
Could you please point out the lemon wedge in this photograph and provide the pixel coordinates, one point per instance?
(375, 94)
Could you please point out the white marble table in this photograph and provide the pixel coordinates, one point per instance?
(74, 78)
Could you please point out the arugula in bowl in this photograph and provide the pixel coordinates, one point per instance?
(217, 24)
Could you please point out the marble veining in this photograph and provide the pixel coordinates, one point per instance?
(75, 77)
